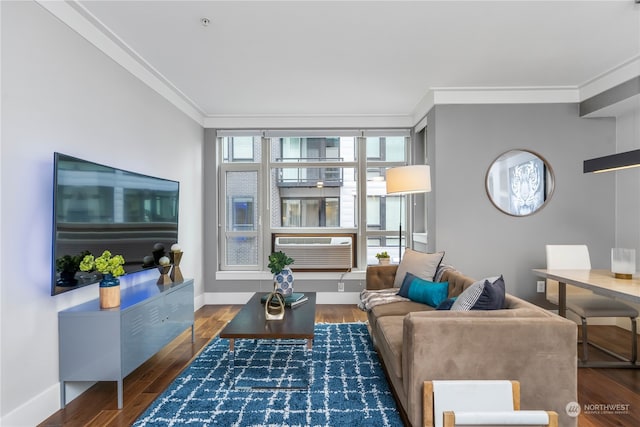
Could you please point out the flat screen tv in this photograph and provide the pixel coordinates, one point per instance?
(98, 207)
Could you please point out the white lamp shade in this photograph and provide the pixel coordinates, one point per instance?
(409, 179)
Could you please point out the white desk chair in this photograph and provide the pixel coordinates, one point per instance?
(584, 303)
(479, 402)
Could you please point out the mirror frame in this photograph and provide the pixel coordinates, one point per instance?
(548, 176)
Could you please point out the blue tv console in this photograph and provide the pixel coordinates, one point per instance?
(108, 344)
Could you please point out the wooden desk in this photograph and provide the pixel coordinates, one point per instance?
(600, 282)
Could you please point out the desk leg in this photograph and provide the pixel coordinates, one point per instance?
(562, 299)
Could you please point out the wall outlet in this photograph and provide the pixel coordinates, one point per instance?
(340, 286)
(540, 285)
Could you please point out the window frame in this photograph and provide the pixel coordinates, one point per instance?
(265, 230)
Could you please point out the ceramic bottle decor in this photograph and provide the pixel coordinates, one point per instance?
(283, 282)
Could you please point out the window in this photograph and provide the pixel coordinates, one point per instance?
(242, 214)
(308, 185)
(311, 212)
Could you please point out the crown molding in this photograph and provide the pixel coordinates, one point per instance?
(79, 19)
(494, 95)
(308, 121)
(76, 17)
(610, 78)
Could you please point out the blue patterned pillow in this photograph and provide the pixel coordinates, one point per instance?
(426, 292)
(446, 304)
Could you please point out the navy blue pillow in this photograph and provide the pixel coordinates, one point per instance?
(446, 304)
(426, 292)
(404, 289)
(492, 296)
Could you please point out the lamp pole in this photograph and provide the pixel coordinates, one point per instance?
(400, 231)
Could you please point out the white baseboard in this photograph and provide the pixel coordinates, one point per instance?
(34, 411)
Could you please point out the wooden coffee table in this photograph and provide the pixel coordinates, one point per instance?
(250, 323)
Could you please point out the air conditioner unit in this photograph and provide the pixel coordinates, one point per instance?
(317, 252)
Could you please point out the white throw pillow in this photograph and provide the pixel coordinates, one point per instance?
(419, 264)
(493, 300)
(469, 297)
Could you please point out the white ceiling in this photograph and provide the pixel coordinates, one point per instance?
(370, 58)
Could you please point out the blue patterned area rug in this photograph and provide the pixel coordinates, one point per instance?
(348, 387)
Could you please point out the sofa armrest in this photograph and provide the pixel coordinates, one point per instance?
(380, 276)
(538, 351)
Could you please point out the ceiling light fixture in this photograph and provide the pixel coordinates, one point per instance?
(205, 22)
(626, 160)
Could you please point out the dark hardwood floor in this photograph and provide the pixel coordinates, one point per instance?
(98, 406)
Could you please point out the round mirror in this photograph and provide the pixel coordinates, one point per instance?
(519, 182)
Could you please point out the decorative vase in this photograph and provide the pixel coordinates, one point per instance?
(384, 261)
(109, 291)
(176, 273)
(164, 278)
(274, 306)
(283, 282)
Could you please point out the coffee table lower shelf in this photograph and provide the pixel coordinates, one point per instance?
(308, 358)
(297, 328)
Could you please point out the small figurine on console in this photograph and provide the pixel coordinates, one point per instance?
(176, 256)
(164, 267)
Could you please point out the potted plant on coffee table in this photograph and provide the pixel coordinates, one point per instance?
(282, 275)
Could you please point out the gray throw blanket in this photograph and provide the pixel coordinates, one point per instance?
(372, 298)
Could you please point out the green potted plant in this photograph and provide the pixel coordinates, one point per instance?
(68, 266)
(111, 267)
(282, 276)
(383, 257)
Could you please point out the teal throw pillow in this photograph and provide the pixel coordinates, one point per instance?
(426, 292)
(406, 283)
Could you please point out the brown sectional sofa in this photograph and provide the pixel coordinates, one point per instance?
(520, 342)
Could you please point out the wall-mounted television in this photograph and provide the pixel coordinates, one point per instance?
(98, 207)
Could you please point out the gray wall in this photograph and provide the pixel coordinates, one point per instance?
(481, 241)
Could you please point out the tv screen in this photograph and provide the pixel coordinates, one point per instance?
(97, 208)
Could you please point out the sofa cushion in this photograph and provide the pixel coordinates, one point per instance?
(426, 292)
(398, 309)
(390, 328)
(419, 264)
(485, 294)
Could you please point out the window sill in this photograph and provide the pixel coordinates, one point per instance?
(299, 275)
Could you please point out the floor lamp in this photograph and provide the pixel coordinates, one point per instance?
(407, 180)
